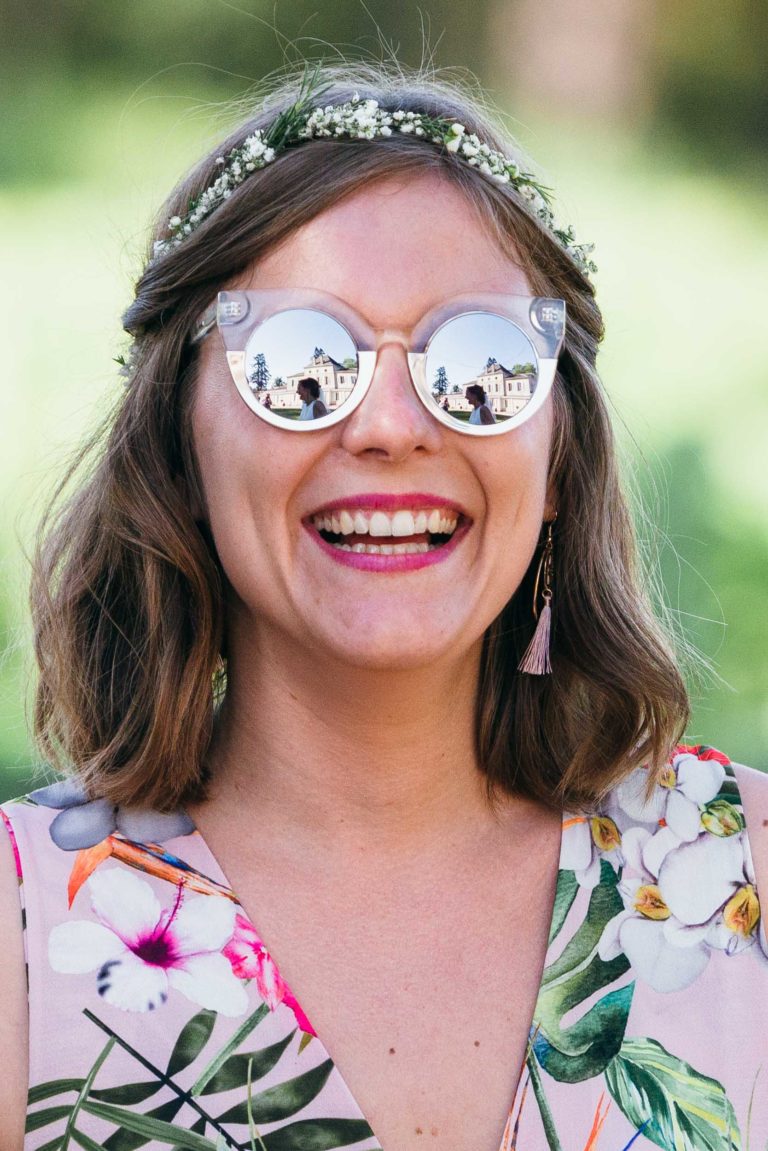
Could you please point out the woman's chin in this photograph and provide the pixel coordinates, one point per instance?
(396, 644)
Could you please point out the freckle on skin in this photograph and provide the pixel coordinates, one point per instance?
(419, 1131)
(434, 1131)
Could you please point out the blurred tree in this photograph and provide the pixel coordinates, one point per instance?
(55, 54)
(712, 74)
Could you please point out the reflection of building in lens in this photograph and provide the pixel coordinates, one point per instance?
(508, 389)
(336, 381)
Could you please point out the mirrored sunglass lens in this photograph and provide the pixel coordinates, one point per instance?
(481, 369)
(301, 364)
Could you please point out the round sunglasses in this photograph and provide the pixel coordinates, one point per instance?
(303, 360)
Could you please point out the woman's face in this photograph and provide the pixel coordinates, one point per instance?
(393, 252)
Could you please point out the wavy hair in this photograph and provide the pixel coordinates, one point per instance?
(127, 595)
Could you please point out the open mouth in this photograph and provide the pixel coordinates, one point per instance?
(378, 532)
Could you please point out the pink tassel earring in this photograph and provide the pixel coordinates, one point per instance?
(536, 658)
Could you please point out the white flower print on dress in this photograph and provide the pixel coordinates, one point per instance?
(646, 931)
(685, 786)
(585, 841)
(141, 950)
(689, 887)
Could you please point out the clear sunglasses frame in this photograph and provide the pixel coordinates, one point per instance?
(237, 314)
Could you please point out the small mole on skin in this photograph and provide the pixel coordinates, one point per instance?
(419, 1131)
(391, 1051)
(477, 1043)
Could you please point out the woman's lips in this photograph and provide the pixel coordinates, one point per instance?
(386, 532)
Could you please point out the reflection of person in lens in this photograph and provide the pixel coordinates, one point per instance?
(312, 407)
(482, 413)
(267, 402)
(445, 405)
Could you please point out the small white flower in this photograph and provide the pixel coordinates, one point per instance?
(467, 149)
(458, 129)
(174, 222)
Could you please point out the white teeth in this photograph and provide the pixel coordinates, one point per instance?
(380, 524)
(387, 549)
(403, 524)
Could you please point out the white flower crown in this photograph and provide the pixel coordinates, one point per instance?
(359, 119)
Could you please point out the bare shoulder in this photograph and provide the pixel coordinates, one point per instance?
(753, 788)
(13, 1017)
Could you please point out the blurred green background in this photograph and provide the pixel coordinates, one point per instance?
(650, 120)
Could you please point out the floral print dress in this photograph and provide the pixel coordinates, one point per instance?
(158, 1018)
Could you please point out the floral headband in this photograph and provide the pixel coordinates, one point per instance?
(359, 119)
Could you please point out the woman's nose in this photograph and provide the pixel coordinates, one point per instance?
(391, 421)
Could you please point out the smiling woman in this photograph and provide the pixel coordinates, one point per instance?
(343, 646)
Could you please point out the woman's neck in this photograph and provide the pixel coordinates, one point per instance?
(348, 751)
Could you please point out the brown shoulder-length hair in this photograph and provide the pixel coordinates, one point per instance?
(127, 593)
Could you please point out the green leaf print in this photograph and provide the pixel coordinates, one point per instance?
(47, 1115)
(52, 1087)
(243, 1031)
(192, 1039)
(567, 890)
(127, 1093)
(150, 1127)
(683, 1110)
(283, 1100)
(235, 1071)
(583, 1050)
(126, 1140)
(85, 1142)
(317, 1135)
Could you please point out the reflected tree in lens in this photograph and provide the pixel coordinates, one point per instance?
(260, 375)
(440, 386)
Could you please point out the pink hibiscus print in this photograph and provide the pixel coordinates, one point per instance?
(251, 960)
(140, 950)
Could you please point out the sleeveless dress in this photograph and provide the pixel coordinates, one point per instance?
(308, 410)
(159, 1019)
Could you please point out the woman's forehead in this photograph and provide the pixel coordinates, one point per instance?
(393, 250)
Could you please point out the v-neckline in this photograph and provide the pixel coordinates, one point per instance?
(515, 1102)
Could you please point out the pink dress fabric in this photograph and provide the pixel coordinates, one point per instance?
(158, 1018)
